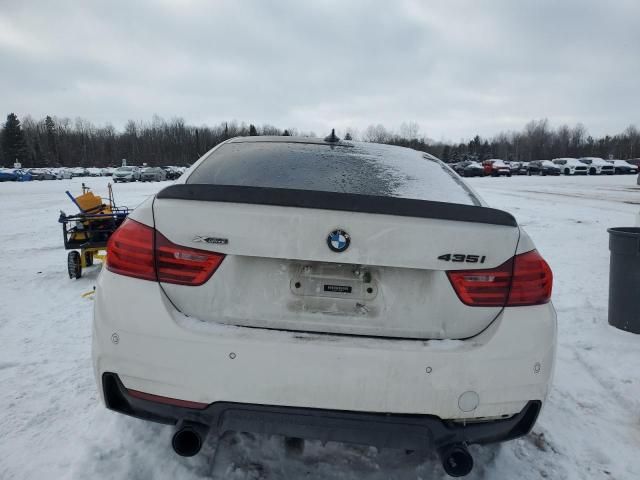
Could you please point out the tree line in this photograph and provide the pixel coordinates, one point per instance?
(536, 141)
(55, 142)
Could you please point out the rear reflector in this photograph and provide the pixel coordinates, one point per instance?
(166, 400)
(131, 252)
(526, 279)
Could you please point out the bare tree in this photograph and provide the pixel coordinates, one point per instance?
(409, 130)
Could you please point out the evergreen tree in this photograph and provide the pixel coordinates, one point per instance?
(286, 133)
(252, 131)
(14, 146)
(446, 153)
(52, 144)
(485, 151)
(348, 136)
(474, 145)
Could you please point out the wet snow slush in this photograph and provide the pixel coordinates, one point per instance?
(52, 425)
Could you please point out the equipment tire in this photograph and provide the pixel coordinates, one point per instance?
(74, 266)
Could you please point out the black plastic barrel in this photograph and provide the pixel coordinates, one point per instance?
(624, 278)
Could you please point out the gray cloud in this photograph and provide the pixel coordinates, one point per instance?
(457, 68)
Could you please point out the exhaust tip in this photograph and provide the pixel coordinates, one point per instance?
(456, 460)
(187, 441)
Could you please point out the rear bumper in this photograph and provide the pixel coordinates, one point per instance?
(153, 348)
(366, 428)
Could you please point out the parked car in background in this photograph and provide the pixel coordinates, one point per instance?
(107, 171)
(543, 167)
(337, 330)
(41, 174)
(94, 172)
(79, 172)
(597, 166)
(496, 167)
(515, 167)
(469, 169)
(172, 172)
(22, 175)
(634, 161)
(153, 174)
(623, 167)
(63, 173)
(126, 174)
(571, 166)
(8, 175)
(524, 168)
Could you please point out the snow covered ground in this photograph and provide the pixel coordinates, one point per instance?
(52, 426)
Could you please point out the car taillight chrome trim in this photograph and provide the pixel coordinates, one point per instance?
(139, 251)
(525, 279)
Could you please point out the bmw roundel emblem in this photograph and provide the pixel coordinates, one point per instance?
(338, 240)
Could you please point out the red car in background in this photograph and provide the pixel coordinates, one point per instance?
(496, 167)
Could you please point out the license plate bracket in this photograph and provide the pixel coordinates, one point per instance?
(335, 281)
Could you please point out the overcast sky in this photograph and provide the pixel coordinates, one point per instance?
(456, 68)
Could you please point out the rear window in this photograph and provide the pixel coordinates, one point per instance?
(356, 168)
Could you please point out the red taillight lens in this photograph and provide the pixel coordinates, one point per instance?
(483, 288)
(532, 280)
(130, 252)
(526, 279)
(182, 265)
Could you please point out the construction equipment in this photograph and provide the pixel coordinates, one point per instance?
(89, 230)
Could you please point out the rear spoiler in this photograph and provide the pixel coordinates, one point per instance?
(345, 202)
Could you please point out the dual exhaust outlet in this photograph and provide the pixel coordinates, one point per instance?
(189, 438)
(456, 459)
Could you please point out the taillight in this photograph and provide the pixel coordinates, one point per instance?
(139, 251)
(182, 265)
(525, 279)
(532, 280)
(130, 251)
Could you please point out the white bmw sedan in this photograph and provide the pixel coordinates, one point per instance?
(325, 289)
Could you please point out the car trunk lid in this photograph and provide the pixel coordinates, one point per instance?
(281, 272)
